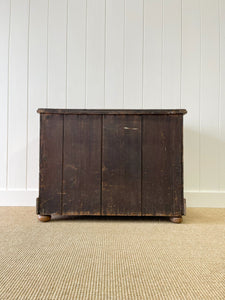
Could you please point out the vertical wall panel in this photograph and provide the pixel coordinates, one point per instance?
(37, 84)
(209, 102)
(76, 43)
(95, 60)
(133, 41)
(190, 90)
(18, 59)
(222, 95)
(114, 53)
(4, 46)
(57, 53)
(171, 53)
(152, 74)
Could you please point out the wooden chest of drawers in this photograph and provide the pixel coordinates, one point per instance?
(111, 163)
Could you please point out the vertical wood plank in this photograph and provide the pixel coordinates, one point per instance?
(209, 101)
(51, 145)
(37, 84)
(95, 54)
(18, 59)
(133, 43)
(190, 90)
(121, 165)
(82, 165)
(162, 165)
(222, 96)
(4, 59)
(171, 54)
(114, 54)
(152, 60)
(76, 49)
(57, 53)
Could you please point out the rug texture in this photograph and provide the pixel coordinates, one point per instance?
(112, 258)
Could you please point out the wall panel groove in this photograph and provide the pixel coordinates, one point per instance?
(113, 54)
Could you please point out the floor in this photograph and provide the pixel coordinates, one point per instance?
(112, 258)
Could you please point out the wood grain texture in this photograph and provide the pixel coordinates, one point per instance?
(121, 165)
(50, 183)
(82, 165)
(162, 166)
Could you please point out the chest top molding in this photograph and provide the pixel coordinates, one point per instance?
(112, 111)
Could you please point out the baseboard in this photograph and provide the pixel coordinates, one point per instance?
(18, 197)
(194, 199)
(205, 199)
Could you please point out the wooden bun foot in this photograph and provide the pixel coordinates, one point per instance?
(44, 218)
(176, 219)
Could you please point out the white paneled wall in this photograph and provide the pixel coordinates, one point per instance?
(113, 54)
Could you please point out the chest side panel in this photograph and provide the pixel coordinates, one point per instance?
(50, 182)
(121, 165)
(162, 178)
(82, 165)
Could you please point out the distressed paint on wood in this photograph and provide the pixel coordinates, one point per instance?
(111, 164)
(50, 182)
(121, 165)
(162, 166)
(82, 165)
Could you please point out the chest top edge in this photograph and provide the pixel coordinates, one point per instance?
(112, 111)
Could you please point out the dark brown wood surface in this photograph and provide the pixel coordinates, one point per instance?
(82, 165)
(50, 181)
(121, 165)
(113, 111)
(111, 162)
(162, 165)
